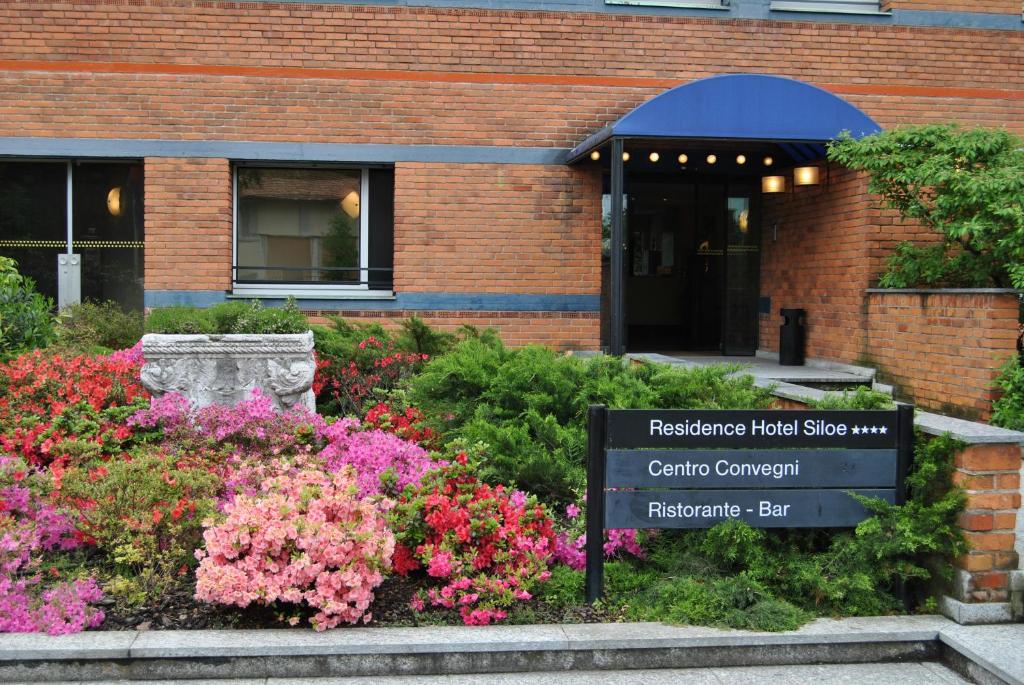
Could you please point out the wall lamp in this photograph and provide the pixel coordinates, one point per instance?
(773, 184)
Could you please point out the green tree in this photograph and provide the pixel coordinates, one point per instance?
(966, 184)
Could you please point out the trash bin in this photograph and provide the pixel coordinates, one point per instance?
(792, 337)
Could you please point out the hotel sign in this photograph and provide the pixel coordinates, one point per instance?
(770, 468)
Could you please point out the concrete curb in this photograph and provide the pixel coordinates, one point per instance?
(260, 654)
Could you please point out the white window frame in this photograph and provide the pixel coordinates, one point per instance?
(829, 6)
(309, 290)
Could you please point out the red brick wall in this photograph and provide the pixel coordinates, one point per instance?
(942, 350)
(239, 71)
(497, 228)
(990, 475)
(188, 224)
(818, 261)
(559, 330)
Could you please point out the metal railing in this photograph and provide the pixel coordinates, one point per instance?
(335, 275)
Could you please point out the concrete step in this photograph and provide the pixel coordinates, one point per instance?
(487, 652)
(914, 673)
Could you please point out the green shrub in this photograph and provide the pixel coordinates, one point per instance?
(529, 406)
(256, 319)
(26, 317)
(939, 265)
(341, 339)
(1008, 410)
(861, 398)
(179, 320)
(86, 326)
(416, 336)
(229, 317)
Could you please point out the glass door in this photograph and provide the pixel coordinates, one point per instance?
(742, 272)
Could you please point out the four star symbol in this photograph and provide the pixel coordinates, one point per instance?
(873, 430)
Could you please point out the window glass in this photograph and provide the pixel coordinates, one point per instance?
(107, 213)
(299, 226)
(33, 219)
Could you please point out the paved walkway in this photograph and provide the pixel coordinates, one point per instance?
(766, 368)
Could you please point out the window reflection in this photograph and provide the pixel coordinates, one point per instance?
(299, 225)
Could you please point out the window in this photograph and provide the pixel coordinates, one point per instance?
(310, 232)
(93, 209)
(841, 6)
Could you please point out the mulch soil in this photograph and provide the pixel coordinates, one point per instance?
(177, 609)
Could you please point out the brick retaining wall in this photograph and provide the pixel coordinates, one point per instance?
(942, 349)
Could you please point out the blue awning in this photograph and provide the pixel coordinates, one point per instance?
(739, 107)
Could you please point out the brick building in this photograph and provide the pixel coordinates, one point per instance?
(379, 160)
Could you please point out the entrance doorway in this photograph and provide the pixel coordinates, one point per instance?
(692, 273)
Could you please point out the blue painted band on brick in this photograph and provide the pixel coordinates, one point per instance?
(290, 152)
(740, 9)
(186, 298)
(499, 302)
(959, 20)
(481, 302)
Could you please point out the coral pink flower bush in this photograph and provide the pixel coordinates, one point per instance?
(487, 546)
(306, 538)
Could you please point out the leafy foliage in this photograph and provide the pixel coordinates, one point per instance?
(967, 184)
(346, 386)
(97, 326)
(417, 337)
(229, 317)
(143, 512)
(26, 319)
(936, 266)
(861, 398)
(529, 405)
(1008, 410)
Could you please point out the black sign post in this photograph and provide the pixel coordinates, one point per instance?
(770, 468)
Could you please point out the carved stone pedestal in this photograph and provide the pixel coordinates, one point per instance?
(225, 369)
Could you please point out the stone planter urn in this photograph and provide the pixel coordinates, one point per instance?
(225, 369)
